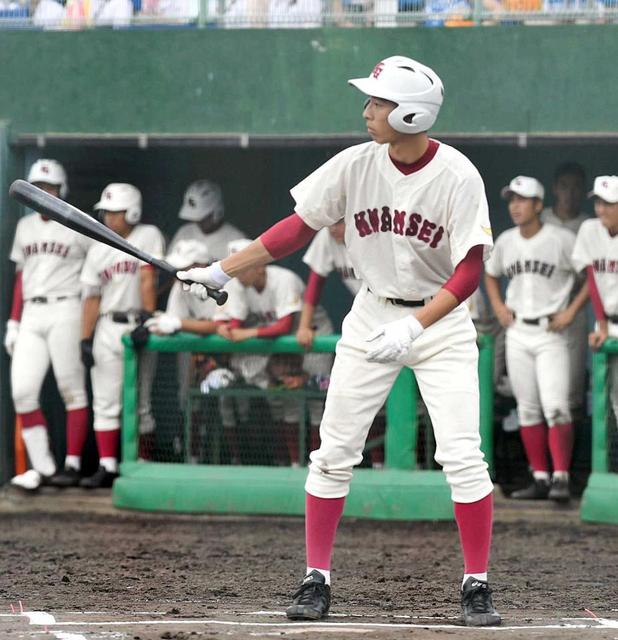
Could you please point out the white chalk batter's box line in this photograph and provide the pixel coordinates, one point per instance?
(47, 620)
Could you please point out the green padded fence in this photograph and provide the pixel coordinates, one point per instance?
(398, 491)
(599, 503)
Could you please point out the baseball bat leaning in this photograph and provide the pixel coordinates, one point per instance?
(73, 218)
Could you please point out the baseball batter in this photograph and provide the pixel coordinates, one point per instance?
(417, 228)
(569, 190)
(264, 303)
(44, 328)
(536, 259)
(596, 250)
(117, 290)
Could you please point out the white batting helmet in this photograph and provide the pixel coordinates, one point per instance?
(203, 199)
(119, 196)
(187, 252)
(50, 172)
(416, 89)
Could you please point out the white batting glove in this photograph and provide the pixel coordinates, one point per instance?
(163, 324)
(10, 337)
(212, 277)
(392, 341)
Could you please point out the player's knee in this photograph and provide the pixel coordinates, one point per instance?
(73, 398)
(558, 415)
(529, 413)
(25, 398)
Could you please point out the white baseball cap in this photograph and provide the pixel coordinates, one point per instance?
(523, 186)
(606, 188)
(203, 199)
(187, 252)
(238, 245)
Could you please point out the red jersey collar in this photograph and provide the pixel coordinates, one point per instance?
(423, 161)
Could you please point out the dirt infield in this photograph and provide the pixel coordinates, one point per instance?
(98, 573)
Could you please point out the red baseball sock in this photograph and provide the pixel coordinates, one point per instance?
(534, 438)
(33, 419)
(322, 516)
(561, 438)
(77, 430)
(108, 443)
(474, 520)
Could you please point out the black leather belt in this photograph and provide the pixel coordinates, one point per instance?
(536, 321)
(122, 317)
(45, 299)
(400, 302)
(613, 319)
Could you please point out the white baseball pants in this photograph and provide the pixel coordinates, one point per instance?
(48, 333)
(538, 363)
(444, 360)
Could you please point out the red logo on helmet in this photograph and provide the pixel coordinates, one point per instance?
(108, 195)
(44, 168)
(377, 70)
(604, 184)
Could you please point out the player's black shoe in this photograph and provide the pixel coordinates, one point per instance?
(102, 479)
(477, 607)
(68, 477)
(312, 600)
(538, 490)
(559, 490)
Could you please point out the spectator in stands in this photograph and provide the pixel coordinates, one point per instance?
(48, 13)
(306, 14)
(84, 13)
(264, 302)
(569, 190)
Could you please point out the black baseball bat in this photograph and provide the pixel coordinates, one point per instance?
(71, 217)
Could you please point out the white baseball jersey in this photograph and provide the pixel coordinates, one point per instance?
(117, 273)
(573, 224)
(183, 304)
(50, 257)
(405, 233)
(325, 255)
(281, 296)
(216, 242)
(539, 269)
(594, 246)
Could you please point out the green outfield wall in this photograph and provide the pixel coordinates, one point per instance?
(498, 79)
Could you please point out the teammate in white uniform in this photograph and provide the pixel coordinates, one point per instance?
(417, 225)
(203, 211)
(264, 303)
(117, 290)
(569, 190)
(44, 328)
(537, 260)
(596, 250)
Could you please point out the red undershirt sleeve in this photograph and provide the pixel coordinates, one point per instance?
(235, 323)
(281, 327)
(287, 236)
(595, 296)
(315, 284)
(467, 275)
(18, 297)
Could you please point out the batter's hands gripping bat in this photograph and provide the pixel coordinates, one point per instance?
(72, 217)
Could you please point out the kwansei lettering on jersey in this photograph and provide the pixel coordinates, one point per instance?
(120, 268)
(530, 266)
(51, 248)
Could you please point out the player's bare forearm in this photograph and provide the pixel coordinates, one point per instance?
(306, 316)
(563, 319)
(148, 288)
(441, 304)
(492, 286)
(255, 255)
(202, 327)
(90, 315)
(580, 299)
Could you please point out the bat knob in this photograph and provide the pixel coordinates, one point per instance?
(220, 297)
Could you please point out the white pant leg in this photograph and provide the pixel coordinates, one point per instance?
(63, 344)
(553, 376)
(30, 361)
(445, 363)
(147, 368)
(106, 375)
(357, 391)
(520, 362)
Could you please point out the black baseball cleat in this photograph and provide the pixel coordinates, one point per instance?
(477, 607)
(68, 477)
(559, 490)
(312, 600)
(102, 479)
(538, 490)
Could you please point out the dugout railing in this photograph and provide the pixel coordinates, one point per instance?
(599, 503)
(400, 490)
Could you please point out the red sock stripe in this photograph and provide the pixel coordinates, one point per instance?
(561, 438)
(534, 438)
(108, 443)
(322, 517)
(474, 521)
(32, 419)
(77, 431)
